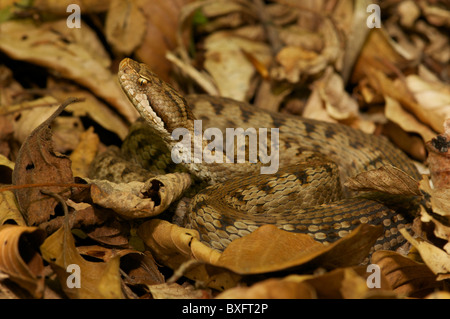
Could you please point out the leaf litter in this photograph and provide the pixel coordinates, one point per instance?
(282, 56)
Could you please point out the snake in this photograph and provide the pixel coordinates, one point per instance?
(307, 194)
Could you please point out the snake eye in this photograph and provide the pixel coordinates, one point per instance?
(142, 81)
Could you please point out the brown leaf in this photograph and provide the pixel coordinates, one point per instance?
(175, 246)
(137, 199)
(439, 158)
(271, 289)
(435, 258)
(84, 153)
(162, 22)
(77, 54)
(9, 211)
(38, 163)
(349, 282)
(406, 277)
(176, 291)
(97, 279)
(125, 26)
(386, 179)
(270, 249)
(19, 257)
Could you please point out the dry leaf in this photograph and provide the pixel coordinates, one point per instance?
(174, 246)
(76, 54)
(398, 91)
(349, 282)
(228, 65)
(439, 158)
(38, 163)
(60, 7)
(19, 257)
(271, 289)
(378, 53)
(406, 277)
(406, 120)
(176, 291)
(125, 26)
(270, 249)
(386, 179)
(97, 280)
(435, 258)
(162, 22)
(9, 210)
(137, 199)
(84, 153)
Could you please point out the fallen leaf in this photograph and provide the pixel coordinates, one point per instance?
(228, 65)
(97, 279)
(175, 246)
(84, 153)
(9, 210)
(387, 179)
(439, 158)
(271, 289)
(162, 19)
(76, 54)
(406, 277)
(269, 249)
(176, 291)
(60, 7)
(348, 282)
(19, 257)
(435, 258)
(138, 200)
(406, 120)
(125, 26)
(38, 163)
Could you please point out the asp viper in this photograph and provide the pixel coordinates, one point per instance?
(305, 195)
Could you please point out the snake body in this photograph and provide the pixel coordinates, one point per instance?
(305, 195)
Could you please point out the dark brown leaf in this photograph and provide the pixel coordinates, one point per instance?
(38, 163)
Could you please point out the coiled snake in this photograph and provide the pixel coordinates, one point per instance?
(305, 195)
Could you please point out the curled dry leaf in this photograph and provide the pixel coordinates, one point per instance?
(9, 210)
(398, 91)
(37, 162)
(435, 258)
(138, 200)
(296, 63)
(379, 52)
(174, 246)
(97, 279)
(386, 179)
(405, 276)
(395, 112)
(19, 257)
(439, 214)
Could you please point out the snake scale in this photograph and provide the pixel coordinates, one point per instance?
(305, 195)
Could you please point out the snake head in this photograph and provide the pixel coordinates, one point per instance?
(159, 104)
